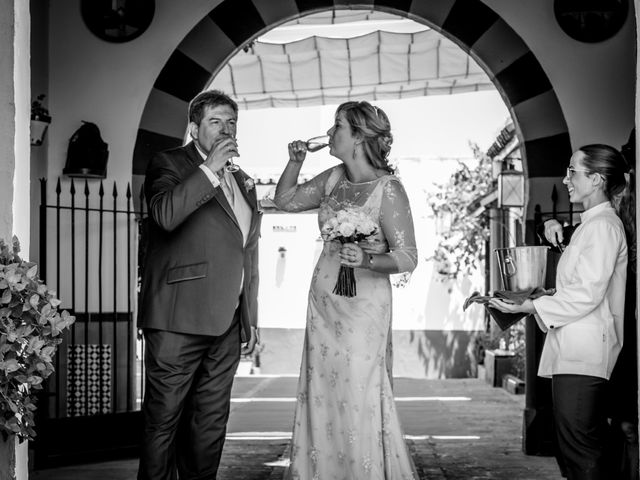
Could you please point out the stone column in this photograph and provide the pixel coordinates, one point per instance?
(7, 116)
(14, 163)
(637, 8)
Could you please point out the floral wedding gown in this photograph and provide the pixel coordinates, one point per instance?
(346, 426)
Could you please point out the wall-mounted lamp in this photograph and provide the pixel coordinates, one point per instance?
(87, 154)
(510, 188)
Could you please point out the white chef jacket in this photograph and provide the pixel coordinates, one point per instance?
(584, 318)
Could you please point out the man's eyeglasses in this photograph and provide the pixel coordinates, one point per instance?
(571, 171)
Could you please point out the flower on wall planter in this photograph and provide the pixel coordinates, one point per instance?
(30, 328)
(40, 120)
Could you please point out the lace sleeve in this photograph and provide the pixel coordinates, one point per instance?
(397, 226)
(305, 196)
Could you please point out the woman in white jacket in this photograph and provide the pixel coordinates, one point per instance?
(583, 320)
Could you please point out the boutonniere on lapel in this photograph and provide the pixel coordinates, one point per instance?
(249, 184)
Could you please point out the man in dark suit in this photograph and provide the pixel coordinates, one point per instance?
(198, 303)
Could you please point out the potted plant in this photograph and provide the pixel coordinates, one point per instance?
(40, 120)
(30, 328)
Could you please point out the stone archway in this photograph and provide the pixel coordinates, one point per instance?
(514, 69)
(476, 28)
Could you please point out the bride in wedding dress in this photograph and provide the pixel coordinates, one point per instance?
(346, 425)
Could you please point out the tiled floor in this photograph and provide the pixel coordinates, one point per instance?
(456, 430)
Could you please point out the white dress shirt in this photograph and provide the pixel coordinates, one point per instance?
(584, 318)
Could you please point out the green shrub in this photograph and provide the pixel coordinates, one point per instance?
(30, 328)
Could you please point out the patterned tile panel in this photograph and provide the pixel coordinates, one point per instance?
(88, 380)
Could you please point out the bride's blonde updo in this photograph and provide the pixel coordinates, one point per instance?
(373, 125)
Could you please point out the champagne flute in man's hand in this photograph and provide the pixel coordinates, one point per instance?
(230, 166)
(317, 143)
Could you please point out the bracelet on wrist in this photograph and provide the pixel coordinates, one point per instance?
(369, 260)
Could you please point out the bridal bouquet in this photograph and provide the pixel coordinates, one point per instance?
(348, 226)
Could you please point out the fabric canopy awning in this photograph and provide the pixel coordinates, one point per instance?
(325, 71)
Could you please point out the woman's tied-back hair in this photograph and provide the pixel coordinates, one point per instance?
(211, 98)
(372, 124)
(619, 182)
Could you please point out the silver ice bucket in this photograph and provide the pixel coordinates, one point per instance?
(522, 268)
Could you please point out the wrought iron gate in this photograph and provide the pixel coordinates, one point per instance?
(88, 253)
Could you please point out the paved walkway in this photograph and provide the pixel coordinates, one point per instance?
(455, 429)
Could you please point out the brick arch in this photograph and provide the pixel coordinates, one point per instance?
(476, 28)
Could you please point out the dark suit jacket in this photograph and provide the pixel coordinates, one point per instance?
(195, 255)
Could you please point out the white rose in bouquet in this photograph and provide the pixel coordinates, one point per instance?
(346, 229)
(329, 227)
(345, 215)
(365, 225)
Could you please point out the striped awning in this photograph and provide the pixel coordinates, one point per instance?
(322, 70)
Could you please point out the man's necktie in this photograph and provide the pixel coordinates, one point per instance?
(226, 188)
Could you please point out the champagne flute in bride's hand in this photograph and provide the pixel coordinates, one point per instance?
(317, 143)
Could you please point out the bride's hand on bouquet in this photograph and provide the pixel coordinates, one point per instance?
(352, 255)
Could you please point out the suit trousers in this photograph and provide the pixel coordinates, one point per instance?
(580, 414)
(187, 402)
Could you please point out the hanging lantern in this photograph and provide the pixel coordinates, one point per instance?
(510, 188)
